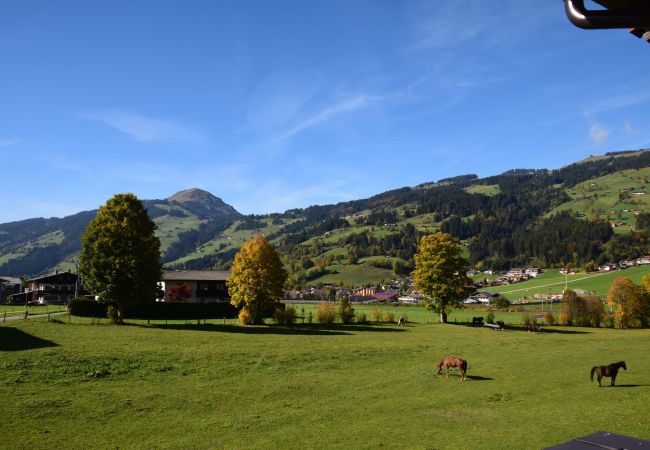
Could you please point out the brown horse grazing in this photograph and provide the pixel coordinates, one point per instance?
(607, 371)
(452, 361)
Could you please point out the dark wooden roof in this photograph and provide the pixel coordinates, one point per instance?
(603, 440)
(57, 278)
(195, 275)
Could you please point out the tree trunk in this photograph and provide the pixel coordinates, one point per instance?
(443, 317)
(120, 314)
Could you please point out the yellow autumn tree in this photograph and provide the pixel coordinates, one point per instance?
(630, 302)
(256, 280)
(441, 273)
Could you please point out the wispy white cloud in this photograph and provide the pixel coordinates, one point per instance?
(478, 23)
(629, 128)
(142, 128)
(598, 133)
(277, 99)
(8, 142)
(329, 112)
(623, 100)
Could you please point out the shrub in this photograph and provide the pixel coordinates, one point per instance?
(490, 317)
(549, 318)
(526, 320)
(609, 321)
(245, 317)
(84, 307)
(565, 319)
(389, 317)
(361, 318)
(594, 311)
(376, 315)
(326, 313)
(346, 312)
(286, 316)
(501, 302)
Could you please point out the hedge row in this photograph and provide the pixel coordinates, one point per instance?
(84, 307)
(156, 311)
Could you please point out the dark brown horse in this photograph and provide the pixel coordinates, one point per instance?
(607, 371)
(453, 361)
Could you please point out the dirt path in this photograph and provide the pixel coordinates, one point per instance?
(29, 316)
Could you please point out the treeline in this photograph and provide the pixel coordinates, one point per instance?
(511, 240)
(190, 241)
(40, 259)
(628, 302)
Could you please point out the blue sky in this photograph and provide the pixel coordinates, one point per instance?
(273, 105)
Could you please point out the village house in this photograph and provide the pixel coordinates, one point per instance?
(607, 267)
(410, 299)
(365, 292)
(9, 286)
(483, 297)
(390, 295)
(205, 286)
(643, 261)
(533, 271)
(58, 288)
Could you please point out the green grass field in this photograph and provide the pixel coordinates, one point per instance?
(552, 282)
(19, 310)
(355, 275)
(77, 385)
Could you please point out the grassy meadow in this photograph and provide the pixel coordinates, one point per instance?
(83, 385)
(552, 282)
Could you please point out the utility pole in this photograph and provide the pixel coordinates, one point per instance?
(76, 282)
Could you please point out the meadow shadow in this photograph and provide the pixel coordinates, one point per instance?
(304, 330)
(630, 385)
(236, 329)
(479, 378)
(546, 330)
(13, 339)
(508, 327)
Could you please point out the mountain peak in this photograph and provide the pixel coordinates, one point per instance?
(203, 203)
(193, 194)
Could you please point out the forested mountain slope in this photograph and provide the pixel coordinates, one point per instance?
(585, 213)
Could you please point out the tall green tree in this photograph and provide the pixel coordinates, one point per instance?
(120, 256)
(257, 278)
(440, 273)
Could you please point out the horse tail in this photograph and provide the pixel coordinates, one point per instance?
(593, 369)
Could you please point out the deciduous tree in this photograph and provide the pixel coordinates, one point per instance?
(257, 278)
(630, 301)
(440, 273)
(120, 256)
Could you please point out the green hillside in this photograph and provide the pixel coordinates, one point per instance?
(552, 282)
(615, 197)
(546, 218)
